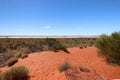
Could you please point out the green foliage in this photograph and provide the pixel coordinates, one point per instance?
(24, 56)
(55, 45)
(109, 46)
(12, 61)
(15, 73)
(64, 67)
(84, 69)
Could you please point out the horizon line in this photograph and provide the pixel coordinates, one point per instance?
(49, 36)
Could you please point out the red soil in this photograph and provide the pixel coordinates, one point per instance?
(44, 65)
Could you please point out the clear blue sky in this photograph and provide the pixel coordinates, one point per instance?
(59, 17)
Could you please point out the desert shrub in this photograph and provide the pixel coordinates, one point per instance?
(84, 69)
(12, 61)
(24, 56)
(4, 57)
(2, 49)
(55, 45)
(25, 50)
(50, 41)
(19, 44)
(90, 44)
(109, 46)
(58, 46)
(64, 67)
(81, 47)
(18, 55)
(15, 73)
(35, 47)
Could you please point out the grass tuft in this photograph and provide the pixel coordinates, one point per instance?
(15, 73)
(12, 61)
(84, 69)
(64, 67)
(24, 56)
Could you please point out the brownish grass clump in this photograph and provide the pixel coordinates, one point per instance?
(18, 55)
(84, 69)
(81, 47)
(12, 61)
(24, 56)
(15, 73)
(64, 67)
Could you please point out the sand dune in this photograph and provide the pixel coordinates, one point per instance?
(44, 65)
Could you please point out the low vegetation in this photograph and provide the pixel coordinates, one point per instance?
(4, 57)
(12, 61)
(64, 67)
(84, 69)
(24, 56)
(15, 73)
(81, 47)
(55, 45)
(109, 47)
(18, 55)
(15, 47)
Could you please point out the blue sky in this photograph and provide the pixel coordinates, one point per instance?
(59, 17)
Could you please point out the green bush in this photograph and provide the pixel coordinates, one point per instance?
(24, 56)
(12, 61)
(15, 73)
(109, 46)
(84, 69)
(55, 45)
(64, 67)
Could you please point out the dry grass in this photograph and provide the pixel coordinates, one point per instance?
(15, 73)
(12, 61)
(24, 56)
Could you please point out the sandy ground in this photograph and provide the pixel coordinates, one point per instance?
(44, 65)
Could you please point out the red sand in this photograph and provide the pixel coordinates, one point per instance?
(44, 65)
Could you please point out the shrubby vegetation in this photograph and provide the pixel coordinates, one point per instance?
(64, 67)
(3, 58)
(24, 56)
(12, 61)
(81, 47)
(15, 73)
(55, 45)
(15, 47)
(18, 55)
(109, 46)
(84, 69)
